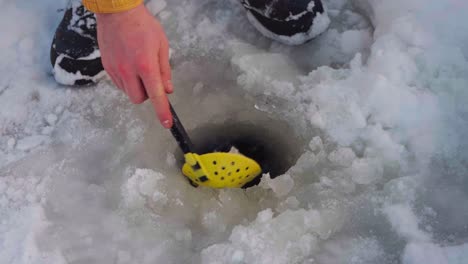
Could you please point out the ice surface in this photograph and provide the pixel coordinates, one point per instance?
(378, 100)
(431, 253)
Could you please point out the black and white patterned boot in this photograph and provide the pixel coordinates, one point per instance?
(291, 22)
(74, 54)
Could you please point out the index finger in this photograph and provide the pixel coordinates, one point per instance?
(156, 93)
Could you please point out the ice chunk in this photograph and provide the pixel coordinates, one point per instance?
(316, 144)
(317, 120)
(286, 238)
(290, 203)
(265, 216)
(280, 185)
(234, 150)
(343, 157)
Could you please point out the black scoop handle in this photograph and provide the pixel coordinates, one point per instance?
(179, 133)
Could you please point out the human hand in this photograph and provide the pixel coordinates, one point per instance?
(135, 53)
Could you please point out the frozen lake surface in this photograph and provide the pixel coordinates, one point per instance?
(370, 118)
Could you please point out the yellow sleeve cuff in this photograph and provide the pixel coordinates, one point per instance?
(110, 6)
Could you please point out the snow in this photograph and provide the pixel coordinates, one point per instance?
(291, 236)
(405, 222)
(378, 102)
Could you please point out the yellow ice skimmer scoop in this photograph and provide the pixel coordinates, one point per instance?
(214, 170)
(220, 170)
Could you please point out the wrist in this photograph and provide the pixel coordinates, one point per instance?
(103, 17)
(111, 6)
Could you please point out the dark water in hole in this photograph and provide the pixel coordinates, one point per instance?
(272, 143)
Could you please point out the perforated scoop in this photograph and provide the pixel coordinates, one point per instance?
(220, 170)
(217, 169)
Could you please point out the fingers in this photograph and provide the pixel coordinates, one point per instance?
(166, 74)
(135, 90)
(147, 79)
(117, 81)
(128, 80)
(130, 83)
(157, 94)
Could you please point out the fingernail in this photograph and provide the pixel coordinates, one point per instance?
(166, 124)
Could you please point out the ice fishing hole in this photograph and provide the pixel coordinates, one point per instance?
(274, 144)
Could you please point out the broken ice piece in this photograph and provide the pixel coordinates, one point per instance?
(281, 186)
(316, 144)
(234, 150)
(343, 157)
